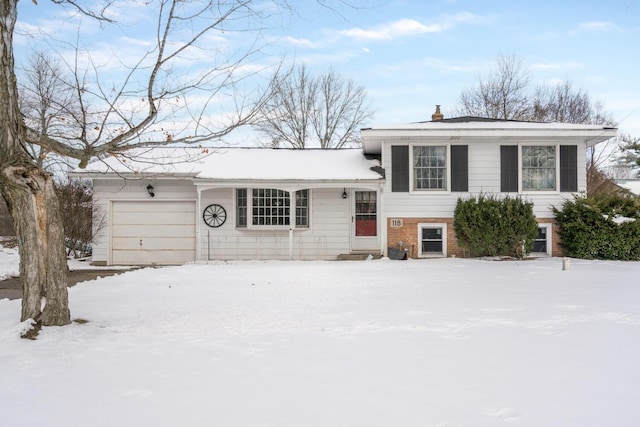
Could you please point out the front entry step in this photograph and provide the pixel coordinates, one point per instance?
(359, 256)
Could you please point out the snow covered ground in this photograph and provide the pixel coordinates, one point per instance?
(443, 342)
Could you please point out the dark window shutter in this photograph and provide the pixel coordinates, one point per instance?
(399, 168)
(509, 168)
(459, 168)
(569, 168)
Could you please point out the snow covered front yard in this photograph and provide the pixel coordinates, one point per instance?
(443, 342)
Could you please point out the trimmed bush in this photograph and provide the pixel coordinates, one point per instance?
(491, 226)
(601, 227)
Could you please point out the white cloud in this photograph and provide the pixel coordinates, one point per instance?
(597, 26)
(443, 65)
(556, 66)
(392, 30)
(407, 28)
(299, 42)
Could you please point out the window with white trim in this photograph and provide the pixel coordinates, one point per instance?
(542, 243)
(429, 167)
(539, 168)
(270, 207)
(432, 239)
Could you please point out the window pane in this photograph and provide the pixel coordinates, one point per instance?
(366, 217)
(241, 207)
(302, 208)
(432, 233)
(270, 207)
(540, 243)
(431, 240)
(430, 167)
(538, 168)
(432, 247)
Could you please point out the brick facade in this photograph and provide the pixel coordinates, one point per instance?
(408, 235)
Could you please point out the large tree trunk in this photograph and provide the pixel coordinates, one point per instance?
(30, 196)
(32, 201)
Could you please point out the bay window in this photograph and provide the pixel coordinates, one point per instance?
(270, 207)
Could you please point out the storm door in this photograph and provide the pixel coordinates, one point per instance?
(365, 221)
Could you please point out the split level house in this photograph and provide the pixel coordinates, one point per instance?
(396, 193)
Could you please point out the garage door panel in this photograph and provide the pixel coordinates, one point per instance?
(139, 231)
(166, 229)
(123, 257)
(167, 206)
(154, 218)
(154, 243)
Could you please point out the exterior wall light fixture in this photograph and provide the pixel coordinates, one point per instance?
(150, 190)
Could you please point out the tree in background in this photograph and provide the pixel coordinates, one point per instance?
(506, 94)
(630, 154)
(81, 220)
(563, 103)
(305, 111)
(48, 105)
(502, 94)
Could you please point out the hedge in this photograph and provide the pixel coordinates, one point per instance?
(492, 226)
(603, 227)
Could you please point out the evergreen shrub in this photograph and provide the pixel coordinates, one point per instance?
(601, 227)
(492, 226)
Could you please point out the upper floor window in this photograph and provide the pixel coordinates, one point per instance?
(271, 207)
(429, 167)
(539, 168)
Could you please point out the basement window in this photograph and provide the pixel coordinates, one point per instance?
(432, 240)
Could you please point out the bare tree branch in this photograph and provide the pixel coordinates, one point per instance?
(112, 119)
(306, 111)
(502, 94)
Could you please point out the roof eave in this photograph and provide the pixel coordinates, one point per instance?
(373, 138)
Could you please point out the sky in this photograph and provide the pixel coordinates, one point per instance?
(360, 343)
(409, 54)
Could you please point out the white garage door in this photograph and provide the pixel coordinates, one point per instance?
(153, 232)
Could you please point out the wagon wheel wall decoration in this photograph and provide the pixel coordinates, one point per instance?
(214, 215)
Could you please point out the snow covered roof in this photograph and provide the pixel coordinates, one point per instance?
(240, 164)
(479, 128)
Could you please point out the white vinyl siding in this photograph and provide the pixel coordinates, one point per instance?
(484, 177)
(326, 236)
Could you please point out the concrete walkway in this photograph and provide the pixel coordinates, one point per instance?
(12, 288)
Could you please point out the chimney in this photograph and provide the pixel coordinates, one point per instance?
(437, 115)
